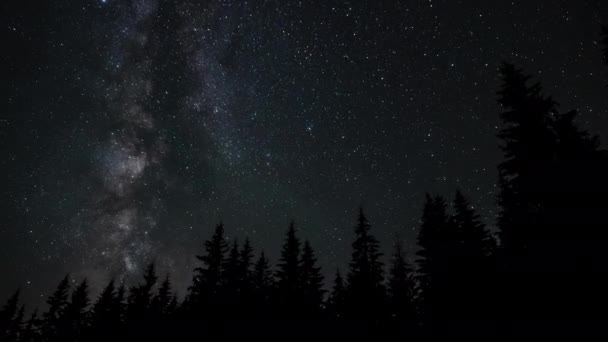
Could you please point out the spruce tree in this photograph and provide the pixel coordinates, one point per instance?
(161, 310)
(435, 263)
(104, 318)
(311, 281)
(401, 291)
(474, 262)
(245, 274)
(207, 281)
(263, 281)
(119, 307)
(365, 291)
(231, 274)
(57, 302)
(526, 176)
(245, 265)
(31, 330)
(17, 328)
(337, 298)
(162, 299)
(288, 274)
(75, 318)
(138, 315)
(551, 186)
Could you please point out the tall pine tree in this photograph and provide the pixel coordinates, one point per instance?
(436, 263)
(474, 262)
(288, 274)
(263, 287)
(138, 313)
(311, 282)
(75, 319)
(57, 302)
(401, 290)
(207, 281)
(337, 298)
(365, 291)
(105, 319)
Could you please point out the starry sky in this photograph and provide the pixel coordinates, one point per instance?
(129, 128)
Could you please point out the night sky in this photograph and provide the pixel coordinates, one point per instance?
(129, 128)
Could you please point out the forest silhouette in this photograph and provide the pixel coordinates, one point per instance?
(544, 272)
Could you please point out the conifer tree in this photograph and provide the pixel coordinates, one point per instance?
(119, 307)
(207, 281)
(435, 262)
(289, 273)
(246, 264)
(365, 291)
(16, 329)
(311, 281)
(245, 281)
(162, 300)
(401, 290)
(337, 298)
(138, 314)
(526, 176)
(263, 281)
(104, 318)
(75, 318)
(57, 302)
(31, 330)
(231, 274)
(474, 263)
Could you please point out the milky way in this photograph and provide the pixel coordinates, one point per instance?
(130, 128)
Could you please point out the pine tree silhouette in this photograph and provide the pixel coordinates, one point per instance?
(365, 290)
(162, 307)
(119, 307)
(435, 265)
(205, 300)
(311, 283)
(58, 301)
(231, 272)
(207, 281)
(263, 280)
(263, 291)
(245, 281)
(162, 300)
(337, 298)
(230, 295)
(529, 150)
(75, 318)
(474, 260)
(551, 201)
(401, 293)
(288, 275)
(31, 330)
(105, 318)
(245, 266)
(16, 328)
(577, 221)
(526, 178)
(138, 314)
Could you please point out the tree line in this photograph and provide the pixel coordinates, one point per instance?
(545, 271)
